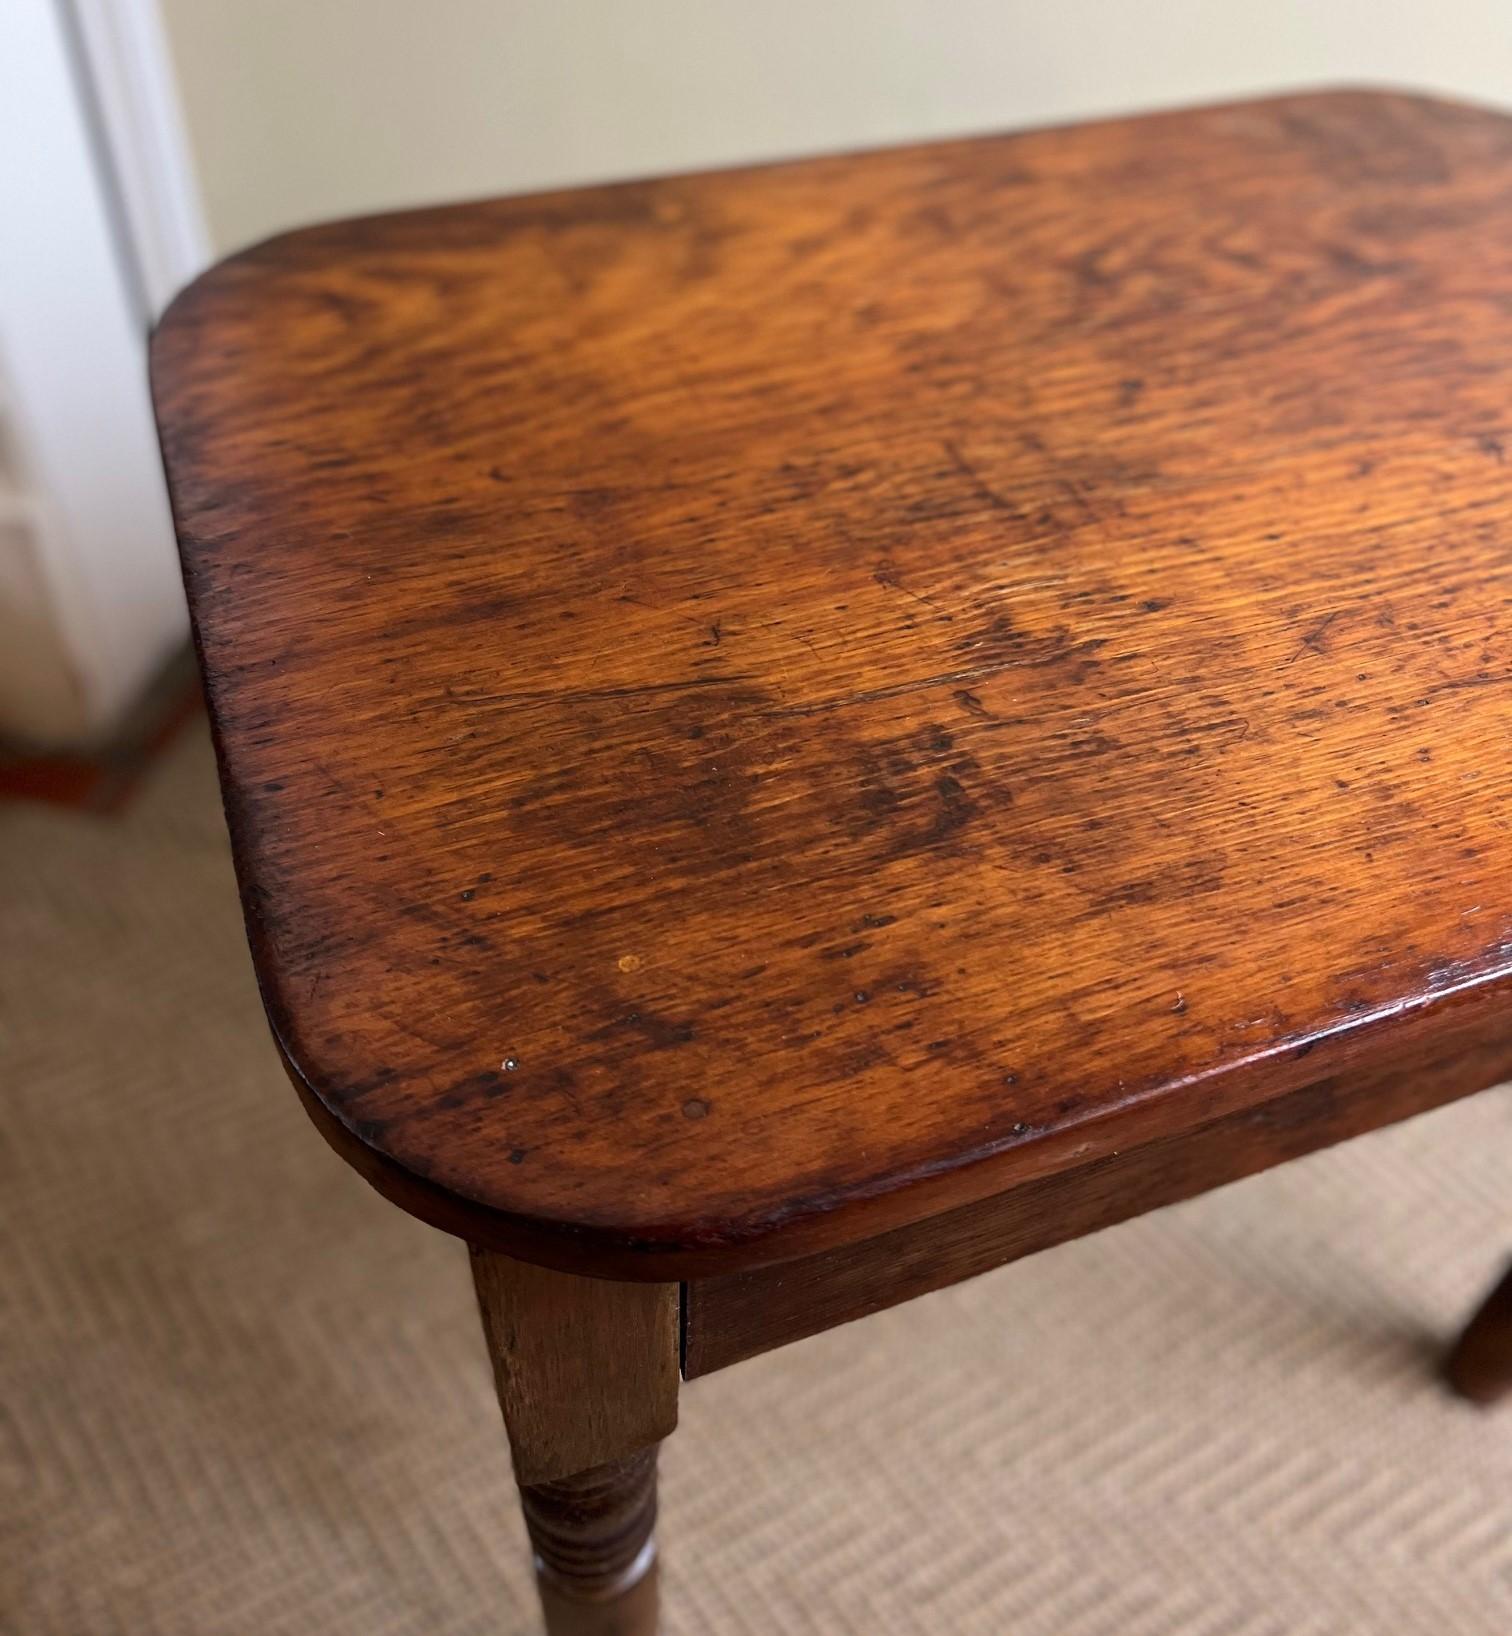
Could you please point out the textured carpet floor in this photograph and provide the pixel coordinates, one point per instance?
(242, 1394)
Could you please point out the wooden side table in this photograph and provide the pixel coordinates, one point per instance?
(796, 735)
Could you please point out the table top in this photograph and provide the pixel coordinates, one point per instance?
(756, 706)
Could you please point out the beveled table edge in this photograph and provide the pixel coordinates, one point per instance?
(1478, 1010)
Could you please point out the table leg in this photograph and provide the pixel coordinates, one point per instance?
(1480, 1366)
(587, 1374)
(595, 1550)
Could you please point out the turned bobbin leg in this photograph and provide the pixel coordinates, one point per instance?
(595, 1550)
(1480, 1366)
(587, 1376)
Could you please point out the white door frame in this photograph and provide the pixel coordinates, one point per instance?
(126, 75)
(99, 226)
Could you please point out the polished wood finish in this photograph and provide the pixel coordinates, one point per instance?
(1480, 1366)
(741, 1314)
(760, 708)
(586, 1368)
(587, 1376)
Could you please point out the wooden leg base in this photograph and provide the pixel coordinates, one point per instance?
(587, 1374)
(595, 1549)
(630, 1612)
(1480, 1366)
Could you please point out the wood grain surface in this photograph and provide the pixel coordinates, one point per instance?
(755, 708)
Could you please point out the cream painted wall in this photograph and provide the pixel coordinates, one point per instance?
(300, 109)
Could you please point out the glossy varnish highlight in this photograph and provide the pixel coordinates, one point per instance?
(758, 707)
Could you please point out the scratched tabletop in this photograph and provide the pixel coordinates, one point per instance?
(753, 703)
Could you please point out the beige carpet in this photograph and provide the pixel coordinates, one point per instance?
(244, 1395)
